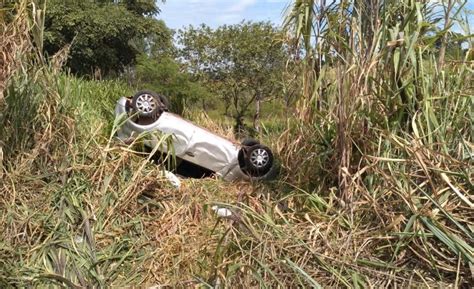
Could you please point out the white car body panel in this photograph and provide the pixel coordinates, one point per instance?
(190, 142)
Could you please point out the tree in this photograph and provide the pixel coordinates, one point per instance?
(164, 75)
(106, 35)
(241, 63)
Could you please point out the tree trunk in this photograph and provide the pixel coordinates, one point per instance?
(256, 117)
(444, 39)
(226, 108)
(239, 125)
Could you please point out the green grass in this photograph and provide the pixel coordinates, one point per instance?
(272, 116)
(376, 194)
(90, 213)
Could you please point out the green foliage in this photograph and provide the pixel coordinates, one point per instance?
(66, 123)
(386, 125)
(454, 45)
(140, 7)
(18, 122)
(241, 63)
(383, 148)
(164, 76)
(91, 103)
(106, 36)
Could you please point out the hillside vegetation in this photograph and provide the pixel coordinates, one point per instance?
(373, 127)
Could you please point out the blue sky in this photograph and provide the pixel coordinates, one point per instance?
(179, 13)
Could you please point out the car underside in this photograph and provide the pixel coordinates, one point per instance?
(198, 152)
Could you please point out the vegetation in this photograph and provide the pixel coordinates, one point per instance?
(164, 75)
(377, 155)
(240, 63)
(105, 36)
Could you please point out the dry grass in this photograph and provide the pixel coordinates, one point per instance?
(82, 210)
(389, 132)
(85, 211)
(65, 226)
(15, 43)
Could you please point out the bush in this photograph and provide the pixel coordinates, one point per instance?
(164, 76)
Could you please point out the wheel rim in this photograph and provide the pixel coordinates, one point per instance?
(146, 103)
(259, 158)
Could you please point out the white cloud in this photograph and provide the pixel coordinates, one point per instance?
(241, 5)
(229, 18)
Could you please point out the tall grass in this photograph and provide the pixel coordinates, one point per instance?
(60, 176)
(378, 189)
(80, 209)
(399, 214)
(388, 125)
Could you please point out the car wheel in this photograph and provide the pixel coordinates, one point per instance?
(250, 142)
(258, 160)
(148, 103)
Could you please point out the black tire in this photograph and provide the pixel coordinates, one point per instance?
(164, 100)
(273, 173)
(258, 160)
(149, 104)
(250, 142)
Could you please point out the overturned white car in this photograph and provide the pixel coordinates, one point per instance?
(199, 152)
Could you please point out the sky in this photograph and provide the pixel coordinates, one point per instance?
(179, 13)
